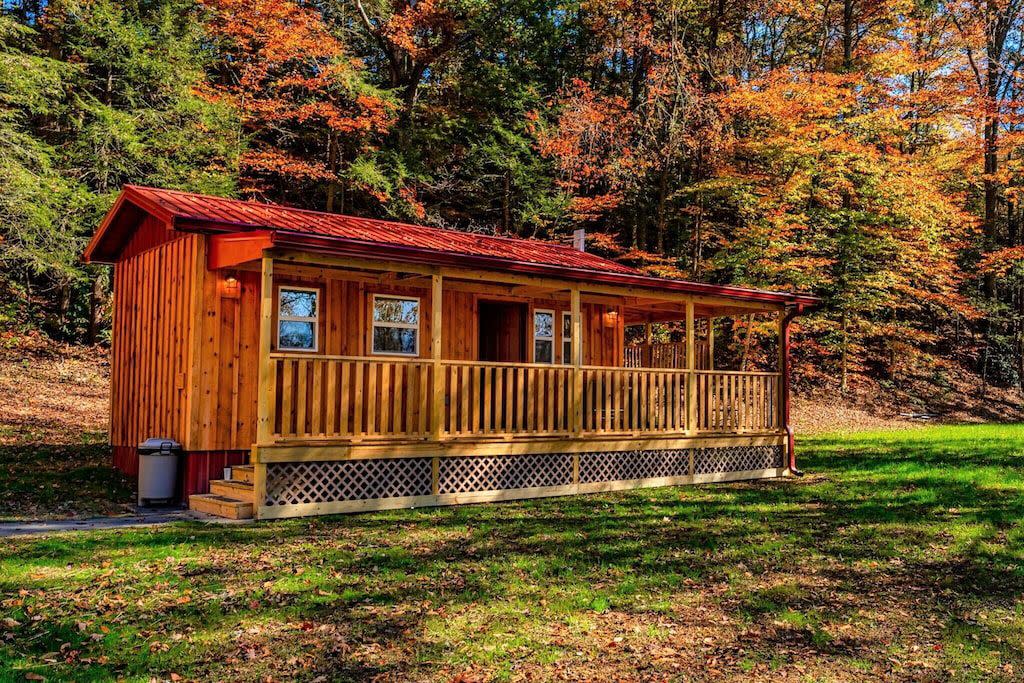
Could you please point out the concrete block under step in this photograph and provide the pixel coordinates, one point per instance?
(220, 506)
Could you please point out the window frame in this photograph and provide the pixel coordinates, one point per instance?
(417, 326)
(535, 338)
(315, 320)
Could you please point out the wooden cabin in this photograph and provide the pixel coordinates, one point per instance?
(339, 364)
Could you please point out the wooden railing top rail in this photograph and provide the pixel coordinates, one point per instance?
(282, 355)
(754, 373)
(502, 364)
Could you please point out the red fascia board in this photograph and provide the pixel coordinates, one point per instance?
(236, 248)
(349, 247)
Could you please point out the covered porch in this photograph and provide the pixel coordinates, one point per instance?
(453, 420)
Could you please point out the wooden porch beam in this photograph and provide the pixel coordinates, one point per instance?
(515, 279)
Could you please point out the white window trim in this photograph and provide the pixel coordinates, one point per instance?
(537, 337)
(281, 317)
(401, 326)
(565, 339)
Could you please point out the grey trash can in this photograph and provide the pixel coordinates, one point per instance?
(158, 469)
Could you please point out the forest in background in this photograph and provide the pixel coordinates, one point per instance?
(868, 151)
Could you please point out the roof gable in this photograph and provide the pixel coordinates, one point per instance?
(218, 214)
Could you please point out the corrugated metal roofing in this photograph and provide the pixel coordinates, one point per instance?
(254, 215)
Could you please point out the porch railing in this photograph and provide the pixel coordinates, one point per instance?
(342, 397)
(668, 355)
(634, 400)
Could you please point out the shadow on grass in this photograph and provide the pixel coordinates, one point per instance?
(923, 524)
(61, 480)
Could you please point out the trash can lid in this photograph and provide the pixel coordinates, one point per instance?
(158, 445)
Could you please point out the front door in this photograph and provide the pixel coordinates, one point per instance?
(503, 331)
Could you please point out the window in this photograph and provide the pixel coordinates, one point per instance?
(298, 323)
(543, 336)
(396, 325)
(567, 337)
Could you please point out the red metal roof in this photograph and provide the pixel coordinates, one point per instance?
(241, 215)
(368, 237)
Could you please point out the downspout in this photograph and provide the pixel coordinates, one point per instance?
(784, 357)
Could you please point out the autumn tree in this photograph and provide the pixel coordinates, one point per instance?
(308, 119)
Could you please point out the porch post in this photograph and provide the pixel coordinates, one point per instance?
(648, 348)
(711, 343)
(691, 377)
(577, 361)
(436, 327)
(266, 397)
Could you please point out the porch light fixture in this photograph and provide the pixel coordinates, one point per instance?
(229, 287)
(611, 316)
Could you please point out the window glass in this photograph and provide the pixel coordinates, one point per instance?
(298, 324)
(543, 324)
(567, 337)
(543, 336)
(396, 323)
(298, 303)
(542, 351)
(394, 340)
(396, 310)
(296, 335)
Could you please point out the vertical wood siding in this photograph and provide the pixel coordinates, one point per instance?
(149, 367)
(227, 361)
(185, 357)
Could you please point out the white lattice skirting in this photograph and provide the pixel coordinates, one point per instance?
(303, 488)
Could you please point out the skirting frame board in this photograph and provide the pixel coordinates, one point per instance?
(329, 487)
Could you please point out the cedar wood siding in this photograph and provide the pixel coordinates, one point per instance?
(185, 357)
(228, 355)
(153, 310)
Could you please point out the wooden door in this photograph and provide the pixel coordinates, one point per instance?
(503, 331)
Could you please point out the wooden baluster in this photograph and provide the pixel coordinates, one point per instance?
(464, 399)
(287, 393)
(399, 397)
(373, 395)
(316, 398)
(300, 397)
(345, 389)
(331, 407)
(509, 380)
(385, 397)
(358, 399)
(423, 398)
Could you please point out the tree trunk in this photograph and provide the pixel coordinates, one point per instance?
(844, 358)
(991, 222)
(332, 165)
(661, 219)
(506, 202)
(746, 343)
(848, 29)
(95, 308)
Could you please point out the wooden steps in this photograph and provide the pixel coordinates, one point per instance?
(230, 498)
(243, 473)
(229, 488)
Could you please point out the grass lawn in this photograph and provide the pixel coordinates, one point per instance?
(900, 555)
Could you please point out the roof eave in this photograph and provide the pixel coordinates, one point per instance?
(349, 247)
